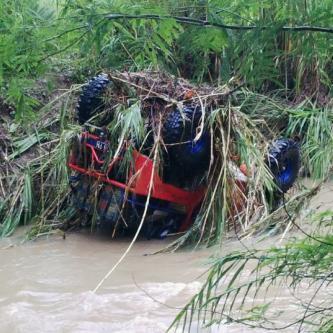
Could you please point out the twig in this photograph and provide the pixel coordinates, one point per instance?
(292, 220)
(311, 300)
(164, 97)
(65, 32)
(71, 44)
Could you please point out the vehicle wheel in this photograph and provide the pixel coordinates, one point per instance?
(284, 162)
(81, 189)
(184, 155)
(110, 205)
(91, 99)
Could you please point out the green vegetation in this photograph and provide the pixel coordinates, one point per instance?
(278, 54)
(82, 37)
(230, 292)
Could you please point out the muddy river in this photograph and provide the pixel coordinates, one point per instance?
(46, 284)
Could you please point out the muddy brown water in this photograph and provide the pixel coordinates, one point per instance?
(45, 285)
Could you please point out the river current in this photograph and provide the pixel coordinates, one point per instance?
(46, 284)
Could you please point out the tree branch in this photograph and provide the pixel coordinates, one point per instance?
(192, 21)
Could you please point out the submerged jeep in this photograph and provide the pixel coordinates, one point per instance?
(168, 197)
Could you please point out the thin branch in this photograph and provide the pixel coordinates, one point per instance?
(205, 23)
(63, 49)
(65, 33)
(310, 302)
(71, 44)
(292, 220)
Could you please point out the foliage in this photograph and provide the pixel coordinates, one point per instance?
(80, 38)
(309, 122)
(22, 46)
(232, 285)
(33, 174)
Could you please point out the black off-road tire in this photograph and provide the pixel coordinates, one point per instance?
(284, 161)
(91, 99)
(186, 158)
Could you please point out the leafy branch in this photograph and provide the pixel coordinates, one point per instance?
(205, 23)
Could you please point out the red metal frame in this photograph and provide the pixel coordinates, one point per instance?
(139, 183)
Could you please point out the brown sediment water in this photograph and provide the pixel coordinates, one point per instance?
(45, 285)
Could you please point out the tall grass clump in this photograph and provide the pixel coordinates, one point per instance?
(34, 175)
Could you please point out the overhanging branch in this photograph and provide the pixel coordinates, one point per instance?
(192, 21)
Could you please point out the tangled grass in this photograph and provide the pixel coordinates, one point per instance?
(34, 173)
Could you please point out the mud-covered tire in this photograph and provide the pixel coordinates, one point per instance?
(104, 203)
(179, 132)
(110, 205)
(284, 161)
(81, 188)
(91, 99)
